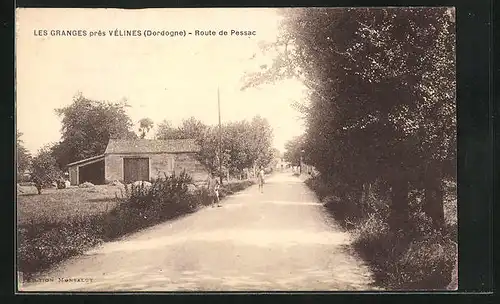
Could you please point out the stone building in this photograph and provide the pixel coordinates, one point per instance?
(139, 160)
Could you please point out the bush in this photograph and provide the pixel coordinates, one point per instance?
(202, 197)
(401, 264)
(145, 205)
(427, 263)
(41, 245)
(421, 258)
(346, 210)
(236, 186)
(319, 187)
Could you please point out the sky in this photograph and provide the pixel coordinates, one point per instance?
(161, 77)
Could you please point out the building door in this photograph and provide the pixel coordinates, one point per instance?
(93, 173)
(135, 169)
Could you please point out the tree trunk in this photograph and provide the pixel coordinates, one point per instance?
(365, 199)
(434, 196)
(358, 201)
(399, 214)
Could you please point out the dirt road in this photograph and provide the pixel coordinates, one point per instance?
(281, 239)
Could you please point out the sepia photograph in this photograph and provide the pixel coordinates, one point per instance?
(236, 149)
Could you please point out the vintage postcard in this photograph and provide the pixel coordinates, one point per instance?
(236, 149)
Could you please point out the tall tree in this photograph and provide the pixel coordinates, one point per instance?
(44, 168)
(260, 141)
(294, 148)
(235, 144)
(145, 125)
(276, 156)
(87, 126)
(382, 100)
(23, 156)
(166, 131)
(209, 144)
(192, 128)
(244, 144)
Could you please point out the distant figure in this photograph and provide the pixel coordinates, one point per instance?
(217, 186)
(213, 190)
(261, 180)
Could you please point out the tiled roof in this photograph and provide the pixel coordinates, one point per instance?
(119, 146)
(87, 160)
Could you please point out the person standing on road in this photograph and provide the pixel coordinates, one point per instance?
(261, 180)
(217, 187)
(213, 190)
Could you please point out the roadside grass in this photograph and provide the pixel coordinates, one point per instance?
(63, 223)
(54, 205)
(422, 259)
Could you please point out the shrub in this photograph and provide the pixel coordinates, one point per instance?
(41, 245)
(236, 186)
(201, 197)
(346, 209)
(320, 187)
(147, 205)
(421, 258)
(427, 263)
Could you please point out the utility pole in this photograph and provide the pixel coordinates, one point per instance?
(220, 138)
